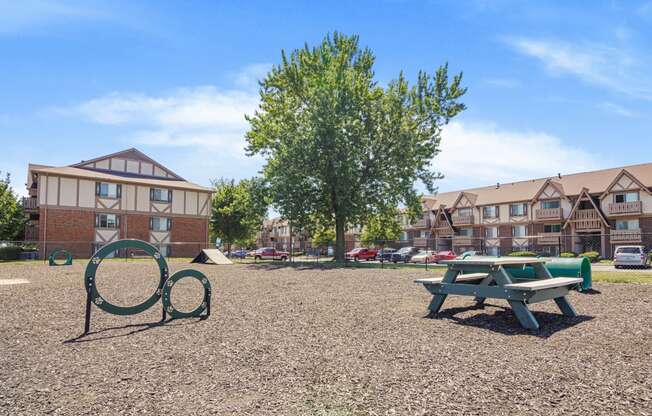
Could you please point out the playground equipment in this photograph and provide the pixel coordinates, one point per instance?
(164, 288)
(579, 267)
(52, 260)
(213, 255)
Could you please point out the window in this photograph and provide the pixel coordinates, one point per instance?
(552, 228)
(550, 251)
(424, 234)
(627, 225)
(165, 250)
(160, 224)
(108, 190)
(404, 236)
(550, 204)
(518, 210)
(490, 212)
(464, 212)
(160, 195)
(107, 221)
(466, 232)
(491, 232)
(493, 251)
(625, 197)
(519, 231)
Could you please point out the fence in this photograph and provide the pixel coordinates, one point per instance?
(301, 249)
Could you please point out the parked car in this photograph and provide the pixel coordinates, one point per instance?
(467, 254)
(404, 254)
(238, 254)
(385, 254)
(424, 256)
(631, 256)
(270, 253)
(445, 255)
(362, 253)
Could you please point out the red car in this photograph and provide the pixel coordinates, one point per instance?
(361, 253)
(445, 255)
(270, 253)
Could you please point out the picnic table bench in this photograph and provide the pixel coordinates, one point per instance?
(491, 277)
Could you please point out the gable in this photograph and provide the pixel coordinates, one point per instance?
(132, 162)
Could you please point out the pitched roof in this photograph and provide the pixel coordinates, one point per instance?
(133, 154)
(597, 182)
(118, 177)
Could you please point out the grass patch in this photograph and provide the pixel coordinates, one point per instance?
(622, 277)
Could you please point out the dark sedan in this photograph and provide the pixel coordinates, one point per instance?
(404, 254)
(385, 254)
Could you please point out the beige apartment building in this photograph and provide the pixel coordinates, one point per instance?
(591, 211)
(84, 206)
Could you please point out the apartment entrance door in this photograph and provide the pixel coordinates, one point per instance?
(588, 242)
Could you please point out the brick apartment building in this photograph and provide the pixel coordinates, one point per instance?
(591, 211)
(84, 206)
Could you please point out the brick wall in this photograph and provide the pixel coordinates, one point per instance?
(67, 229)
(189, 230)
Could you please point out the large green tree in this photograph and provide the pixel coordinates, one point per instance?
(339, 145)
(381, 227)
(12, 216)
(238, 210)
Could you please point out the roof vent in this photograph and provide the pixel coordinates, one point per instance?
(497, 185)
(559, 175)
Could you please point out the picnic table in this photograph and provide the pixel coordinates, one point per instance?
(491, 277)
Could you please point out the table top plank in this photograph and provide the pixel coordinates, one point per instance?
(494, 261)
(544, 283)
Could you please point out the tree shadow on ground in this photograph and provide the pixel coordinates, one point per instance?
(504, 321)
(134, 329)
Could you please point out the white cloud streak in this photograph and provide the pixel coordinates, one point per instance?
(482, 154)
(614, 68)
(20, 15)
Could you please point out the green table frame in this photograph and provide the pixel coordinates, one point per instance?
(500, 284)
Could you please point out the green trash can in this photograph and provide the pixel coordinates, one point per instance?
(558, 267)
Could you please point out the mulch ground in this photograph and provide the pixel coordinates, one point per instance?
(294, 341)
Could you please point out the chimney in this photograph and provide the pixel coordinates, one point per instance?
(559, 175)
(497, 185)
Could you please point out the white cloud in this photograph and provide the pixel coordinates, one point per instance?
(249, 76)
(17, 16)
(482, 154)
(612, 108)
(614, 68)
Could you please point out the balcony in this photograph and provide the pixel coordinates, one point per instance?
(620, 208)
(549, 238)
(548, 214)
(421, 223)
(30, 203)
(443, 231)
(462, 220)
(626, 236)
(587, 219)
(461, 240)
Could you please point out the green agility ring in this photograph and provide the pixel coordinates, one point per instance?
(167, 291)
(58, 251)
(93, 264)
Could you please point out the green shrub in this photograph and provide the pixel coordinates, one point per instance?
(568, 254)
(522, 254)
(10, 253)
(593, 256)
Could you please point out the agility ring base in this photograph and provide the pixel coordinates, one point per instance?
(52, 259)
(167, 292)
(93, 296)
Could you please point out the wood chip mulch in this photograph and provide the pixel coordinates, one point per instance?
(304, 341)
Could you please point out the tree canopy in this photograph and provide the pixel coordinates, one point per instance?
(12, 216)
(342, 147)
(381, 227)
(238, 210)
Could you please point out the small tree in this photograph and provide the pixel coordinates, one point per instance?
(238, 210)
(381, 227)
(340, 146)
(12, 215)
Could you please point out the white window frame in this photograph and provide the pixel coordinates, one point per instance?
(518, 227)
(154, 221)
(549, 201)
(115, 221)
(160, 198)
(626, 195)
(108, 190)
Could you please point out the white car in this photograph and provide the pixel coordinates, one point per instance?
(423, 256)
(631, 256)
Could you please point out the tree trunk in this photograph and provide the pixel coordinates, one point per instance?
(339, 239)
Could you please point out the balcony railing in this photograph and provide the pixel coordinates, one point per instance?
(548, 213)
(462, 220)
(633, 207)
(626, 236)
(420, 241)
(30, 203)
(461, 240)
(422, 223)
(443, 231)
(587, 219)
(549, 238)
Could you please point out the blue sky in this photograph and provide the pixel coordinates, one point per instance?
(553, 86)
